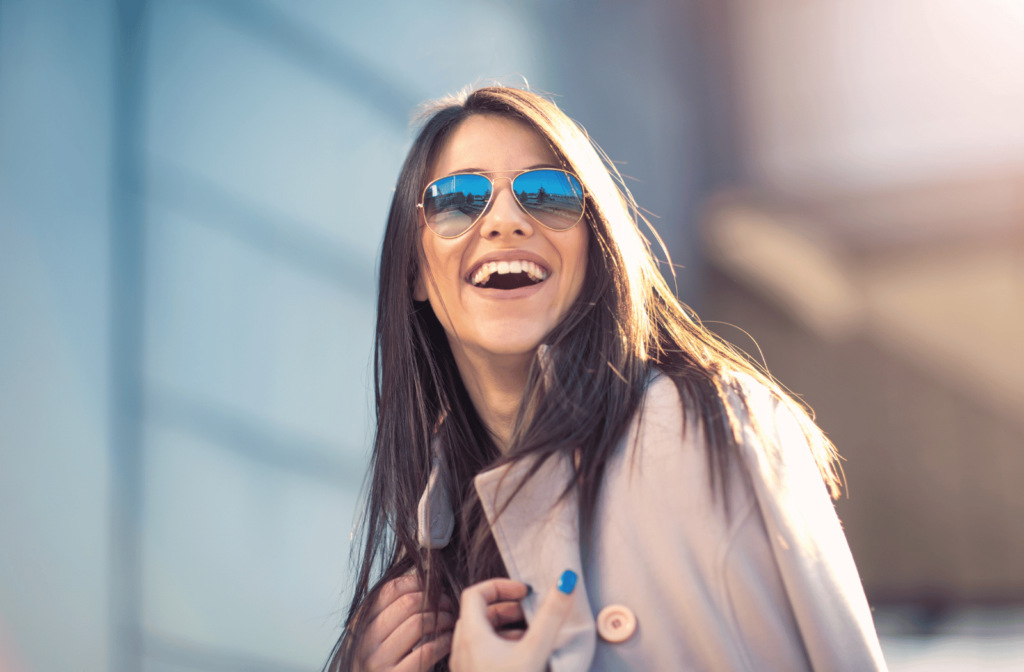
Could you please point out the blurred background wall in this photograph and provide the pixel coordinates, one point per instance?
(192, 193)
(875, 249)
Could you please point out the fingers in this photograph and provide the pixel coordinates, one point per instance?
(393, 590)
(401, 588)
(503, 613)
(395, 614)
(423, 657)
(478, 643)
(401, 619)
(512, 635)
(543, 630)
(475, 615)
(494, 590)
(413, 631)
(402, 606)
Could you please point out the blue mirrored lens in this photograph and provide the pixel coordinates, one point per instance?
(553, 197)
(453, 203)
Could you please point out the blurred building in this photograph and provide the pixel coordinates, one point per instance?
(874, 248)
(192, 194)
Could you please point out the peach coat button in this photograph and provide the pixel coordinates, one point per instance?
(616, 623)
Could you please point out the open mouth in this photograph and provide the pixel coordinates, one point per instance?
(508, 274)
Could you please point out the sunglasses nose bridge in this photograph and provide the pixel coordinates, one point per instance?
(494, 186)
(495, 180)
(505, 208)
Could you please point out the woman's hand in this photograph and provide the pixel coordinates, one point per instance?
(478, 647)
(399, 621)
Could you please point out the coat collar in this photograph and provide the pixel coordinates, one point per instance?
(435, 518)
(537, 534)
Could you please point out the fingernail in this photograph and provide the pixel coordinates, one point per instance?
(529, 589)
(567, 581)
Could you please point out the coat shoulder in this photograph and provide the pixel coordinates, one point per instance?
(750, 401)
(668, 445)
(663, 421)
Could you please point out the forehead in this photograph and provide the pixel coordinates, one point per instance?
(491, 143)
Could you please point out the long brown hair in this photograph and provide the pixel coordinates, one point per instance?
(596, 366)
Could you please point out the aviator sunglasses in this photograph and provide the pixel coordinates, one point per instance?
(551, 197)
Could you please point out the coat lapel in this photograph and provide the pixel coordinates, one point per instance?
(538, 537)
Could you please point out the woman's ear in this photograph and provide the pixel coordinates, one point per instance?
(419, 290)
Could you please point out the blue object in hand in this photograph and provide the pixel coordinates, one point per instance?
(567, 582)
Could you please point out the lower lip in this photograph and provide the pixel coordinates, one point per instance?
(509, 294)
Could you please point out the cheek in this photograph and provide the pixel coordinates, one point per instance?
(579, 255)
(439, 266)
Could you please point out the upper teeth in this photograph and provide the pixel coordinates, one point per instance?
(486, 270)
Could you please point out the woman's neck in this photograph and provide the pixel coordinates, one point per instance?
(495, 383)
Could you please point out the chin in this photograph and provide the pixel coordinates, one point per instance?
(499, 343)
(505, 348)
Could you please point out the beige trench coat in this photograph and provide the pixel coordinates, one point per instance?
(770, 586)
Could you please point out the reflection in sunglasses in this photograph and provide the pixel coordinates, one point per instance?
(554, 198)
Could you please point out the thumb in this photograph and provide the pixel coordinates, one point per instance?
(543, 630)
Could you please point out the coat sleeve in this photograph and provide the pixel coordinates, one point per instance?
(808, 543)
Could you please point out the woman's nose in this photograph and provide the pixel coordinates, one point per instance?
(504, 216)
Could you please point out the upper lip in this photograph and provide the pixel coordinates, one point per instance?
(508, 255)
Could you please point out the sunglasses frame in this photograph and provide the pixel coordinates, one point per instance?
(511, 185)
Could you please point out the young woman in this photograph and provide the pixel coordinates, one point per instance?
(547, 411)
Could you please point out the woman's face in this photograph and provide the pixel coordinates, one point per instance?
(488, 320)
